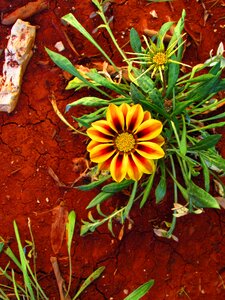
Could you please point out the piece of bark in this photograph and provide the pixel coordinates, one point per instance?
(17, 56)
(25, 11)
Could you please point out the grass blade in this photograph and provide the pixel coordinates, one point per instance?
(88, 281)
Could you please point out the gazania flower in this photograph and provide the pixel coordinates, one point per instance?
(155, 57)
(127, 142)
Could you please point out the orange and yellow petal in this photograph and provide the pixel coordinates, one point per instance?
(134, 117)
(105, 165)
(147, 166)
(158, 140)
(148, 130)
(150, 150)
(91, 145)
(118, 167)
(124, 108)
(115, 118)
(147, 116)
(133, 172)
(98, 136)
(103, 126)
(101, 152)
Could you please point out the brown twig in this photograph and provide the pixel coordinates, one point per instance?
(59, 279)
(25, 11)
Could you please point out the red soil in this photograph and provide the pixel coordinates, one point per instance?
(32, 139)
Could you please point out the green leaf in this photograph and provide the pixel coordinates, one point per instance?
(183, 142)
(135, 41)
(115, 187)
(141, 291)
(131, 200)
(160, 190)
(70, 226)
(92, 185)
(143, 81)
(89, 280)
(206, 143)
(2, 244)
(24, 263)
(173, 73)
(102, 196)
(178, 29)
(200, 198)
(64, 63)
(69, 18)
(206, 173)
(86, 120)
(88, 101)
(106, 83)
(147, 190)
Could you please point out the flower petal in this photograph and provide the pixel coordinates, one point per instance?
(147, 116)
(147, 166)
(101, 152)
(92, 145)
(148, 130)
(124, 108)
(133, 171)
(115, 118)
(118, 167)
(134, 117)
(150, 150)
(103, 126)
(158, 140)
(105, 165)
(98, 136)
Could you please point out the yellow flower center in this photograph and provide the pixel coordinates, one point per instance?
(125, 142)
(160, 58)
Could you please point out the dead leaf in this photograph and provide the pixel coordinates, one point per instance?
(59, 216)
(55, 177)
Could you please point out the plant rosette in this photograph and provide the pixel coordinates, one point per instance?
(152, 124)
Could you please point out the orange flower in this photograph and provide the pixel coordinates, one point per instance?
(127, 142)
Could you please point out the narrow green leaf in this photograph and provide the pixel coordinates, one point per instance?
(141, 291)
(2, 244)
(160, 190)
(115, 187)
(135, 41)
(89, 280)
(92, 185)
(70, 226)
(103, 81)
(208, 142)
(69, 18)
(200, 198)
(102, 196)
(183, 142)
(24, 262)
(64, 63)
(147, 190)
(131, 200)
(206, 173)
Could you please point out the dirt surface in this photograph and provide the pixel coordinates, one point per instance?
(33, 139)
